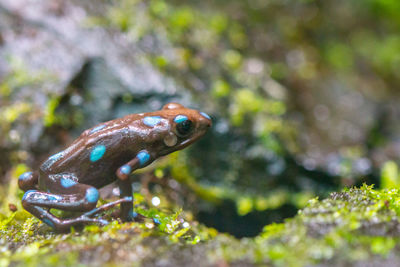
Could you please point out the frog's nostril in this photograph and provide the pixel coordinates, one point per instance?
(208, 124)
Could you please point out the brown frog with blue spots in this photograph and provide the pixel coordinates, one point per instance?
(107, 152)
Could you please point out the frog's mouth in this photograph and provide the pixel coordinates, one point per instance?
(187, 142)
(199, 133)
(174, 143)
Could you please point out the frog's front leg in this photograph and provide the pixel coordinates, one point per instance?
(66, 194)
(141, 160)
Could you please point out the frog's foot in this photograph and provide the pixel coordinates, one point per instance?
(132, 216)
(87, 220)
(137, 217)
(63, 225)
(107, 206)
(39, 203)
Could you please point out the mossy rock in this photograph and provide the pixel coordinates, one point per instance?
(358, 226)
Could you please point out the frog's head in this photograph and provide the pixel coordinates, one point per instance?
(185, 126)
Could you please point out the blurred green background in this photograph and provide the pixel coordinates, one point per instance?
(303, 95)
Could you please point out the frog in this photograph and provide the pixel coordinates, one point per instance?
(70, 180)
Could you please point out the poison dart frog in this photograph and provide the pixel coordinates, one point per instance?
(70, 179)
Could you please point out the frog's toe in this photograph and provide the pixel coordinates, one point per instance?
(156, 221)
(99, 221)
(132, 216)
(103, 222)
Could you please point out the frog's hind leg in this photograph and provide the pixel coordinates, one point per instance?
(28, 181)
(60, 225)
(68, 195)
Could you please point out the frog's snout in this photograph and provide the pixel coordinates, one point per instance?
(205, 120)
(209, 123)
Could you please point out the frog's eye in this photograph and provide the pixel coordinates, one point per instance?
(183, 125)
(184, 128)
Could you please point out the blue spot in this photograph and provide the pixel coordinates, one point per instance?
(97, 128)
(25, 176)
(52, 198)
(205, 115)
(48, 222)
(27, 193)
(128, 198)
(126, 169)
(152, 120)
(67, 182)
(180, 118)
(97, 153)
(50, 161)
(156, 221)
(92, 195)
(56, 156)
(143, 157)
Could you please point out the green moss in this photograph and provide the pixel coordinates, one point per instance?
(12, 194)
(390, 175)
(17, 109)
(358, 224)
(50, 117)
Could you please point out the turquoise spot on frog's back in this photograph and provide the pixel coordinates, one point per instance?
(25, 176)
(56, 156)
(205, 115)
(67, 182)
(126, 169)
(97, 153)
(50, 161)
(92, 195)
(152, 120)
(180, 118)
(143, 157)
(97, 128)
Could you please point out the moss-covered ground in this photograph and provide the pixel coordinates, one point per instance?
(355, 226)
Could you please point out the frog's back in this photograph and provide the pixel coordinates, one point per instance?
(96, 154)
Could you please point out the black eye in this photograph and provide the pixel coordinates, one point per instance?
(184, 127)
